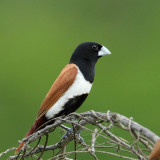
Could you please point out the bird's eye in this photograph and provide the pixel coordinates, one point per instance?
(94, 47)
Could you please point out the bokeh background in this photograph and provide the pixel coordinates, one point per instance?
(37, 39)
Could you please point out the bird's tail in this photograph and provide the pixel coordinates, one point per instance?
(38, 123)
(23, 143)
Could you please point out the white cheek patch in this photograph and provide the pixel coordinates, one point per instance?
(80, 86)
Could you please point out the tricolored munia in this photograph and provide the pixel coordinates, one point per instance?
(72, 86)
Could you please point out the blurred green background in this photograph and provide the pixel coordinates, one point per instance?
(37, 39)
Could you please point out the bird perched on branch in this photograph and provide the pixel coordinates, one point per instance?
(72, 86)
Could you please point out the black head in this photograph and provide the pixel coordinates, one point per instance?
(85, 57)
(89, 52)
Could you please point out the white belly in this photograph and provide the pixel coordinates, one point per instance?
(80, 86)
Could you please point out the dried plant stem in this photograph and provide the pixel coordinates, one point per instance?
(141, 143)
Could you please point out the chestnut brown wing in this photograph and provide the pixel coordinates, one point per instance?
(59, 87)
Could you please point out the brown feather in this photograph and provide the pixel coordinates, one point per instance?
(37, 124)
(155, 154)
(59, 87)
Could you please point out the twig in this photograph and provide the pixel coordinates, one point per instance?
(34, 147)
(75, 144)
(93, 140)
(44, 147)
(104, 121)
(8, 150)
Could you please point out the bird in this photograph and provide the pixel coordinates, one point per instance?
(71, 87)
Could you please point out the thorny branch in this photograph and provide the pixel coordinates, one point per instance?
(105, 138)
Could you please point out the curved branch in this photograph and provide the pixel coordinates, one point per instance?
(138, 133)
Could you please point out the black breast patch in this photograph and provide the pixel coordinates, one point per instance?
(72, 105)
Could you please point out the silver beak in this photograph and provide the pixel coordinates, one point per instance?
(104, 51)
